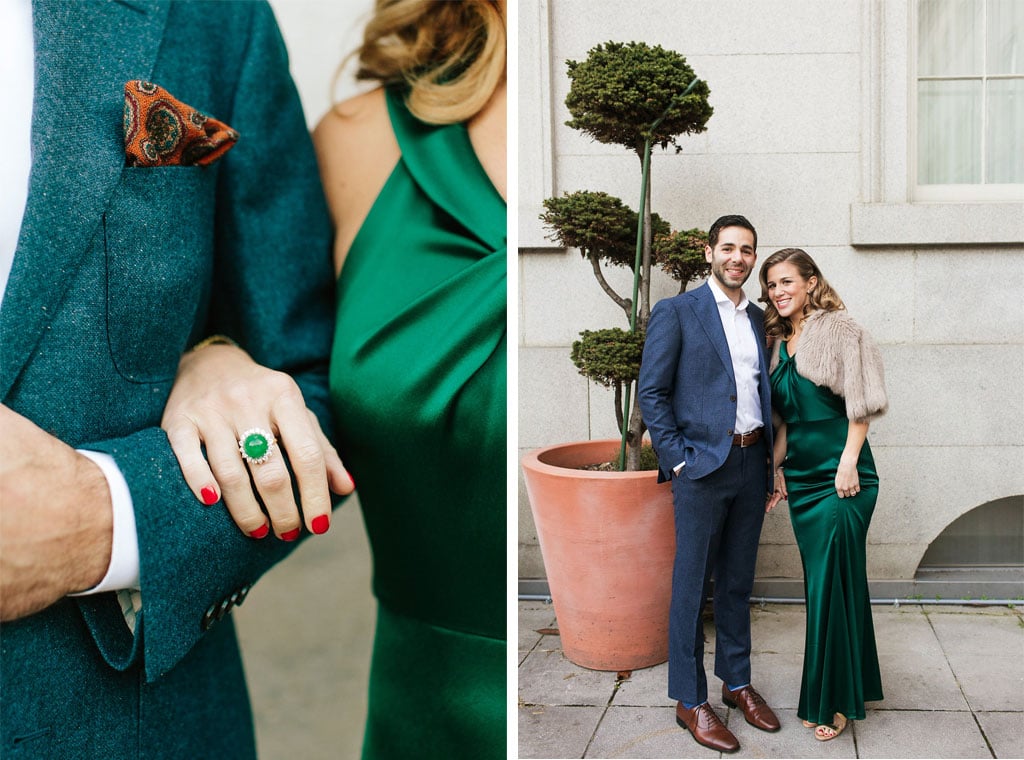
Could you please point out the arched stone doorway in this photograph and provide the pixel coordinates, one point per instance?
(979, 555)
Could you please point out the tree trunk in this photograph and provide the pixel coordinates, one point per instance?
(644, 312)
(618, 407)
(635, 438)
(626, 304)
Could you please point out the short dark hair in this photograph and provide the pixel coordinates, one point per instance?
(729, 220)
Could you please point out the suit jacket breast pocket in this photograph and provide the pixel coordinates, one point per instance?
(159, 242)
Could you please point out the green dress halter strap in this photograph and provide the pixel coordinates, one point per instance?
(418, 387)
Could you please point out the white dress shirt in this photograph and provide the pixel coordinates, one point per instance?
(745, 362)
(746, 366)
(17, 81)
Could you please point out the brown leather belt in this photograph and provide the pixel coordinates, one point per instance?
(747, 439)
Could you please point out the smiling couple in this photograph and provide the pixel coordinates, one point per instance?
(714, 367)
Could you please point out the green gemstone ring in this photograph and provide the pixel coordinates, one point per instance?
(256, 445)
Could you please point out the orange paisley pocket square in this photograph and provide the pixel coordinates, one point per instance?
(160, 130)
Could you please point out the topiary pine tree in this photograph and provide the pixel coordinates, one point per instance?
(623, 87)
(637, 96)
(604, 230)
(681, 254)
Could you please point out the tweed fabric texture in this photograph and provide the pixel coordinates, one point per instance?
(118, 271)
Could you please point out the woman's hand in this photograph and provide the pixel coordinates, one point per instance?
(780, 491)
(847, 479)
(219, 395)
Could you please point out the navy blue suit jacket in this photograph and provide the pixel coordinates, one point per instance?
(687, 388)
(117, 271)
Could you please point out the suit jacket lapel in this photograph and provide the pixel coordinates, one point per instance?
(84, 53)
(706, 310)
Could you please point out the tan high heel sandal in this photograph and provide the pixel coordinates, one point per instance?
(828, 731)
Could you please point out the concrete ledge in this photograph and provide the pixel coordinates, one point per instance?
(901, 224)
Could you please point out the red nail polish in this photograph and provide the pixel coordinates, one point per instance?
(321, 523)
(261, 531)
(290, 535)
(209, 495)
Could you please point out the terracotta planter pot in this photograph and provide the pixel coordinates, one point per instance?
(608, 541)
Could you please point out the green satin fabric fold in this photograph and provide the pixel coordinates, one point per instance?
(450, 711)
(418, 387)
(840, 669)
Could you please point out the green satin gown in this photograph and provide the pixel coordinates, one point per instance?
(840, 669)
(418, 388)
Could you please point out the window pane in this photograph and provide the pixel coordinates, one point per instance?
(949, 37)
(1005, 37)
(1004, 143)
(949, 132)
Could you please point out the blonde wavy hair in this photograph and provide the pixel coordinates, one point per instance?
(450, 53)
(822, 296)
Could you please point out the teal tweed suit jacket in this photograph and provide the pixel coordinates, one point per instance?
(117, 272)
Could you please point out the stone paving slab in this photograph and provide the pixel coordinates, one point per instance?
(991, 682)
(776, 678)
(1004, 731)
(903, 630)
(556, 732)
(938, 664)
(957, 632)
(911, 681)
(792, 740)
(548, 678)
(647, 687)
(639, 732)
(534, 617)
(778, 628)
(912, 734)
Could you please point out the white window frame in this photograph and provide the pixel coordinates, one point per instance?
(949, 192)
(535, 151)
(890, 213)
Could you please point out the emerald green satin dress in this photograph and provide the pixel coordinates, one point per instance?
(840, 670)
(417, 384)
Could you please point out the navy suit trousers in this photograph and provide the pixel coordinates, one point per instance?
(718, 527)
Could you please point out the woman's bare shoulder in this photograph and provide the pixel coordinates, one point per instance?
(357, 151)
(354, 133)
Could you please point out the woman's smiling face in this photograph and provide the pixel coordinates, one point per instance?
(787, 289)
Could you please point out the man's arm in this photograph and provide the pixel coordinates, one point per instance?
(55, 519)
(656, 385)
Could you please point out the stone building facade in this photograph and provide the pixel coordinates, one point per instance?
(815, 139)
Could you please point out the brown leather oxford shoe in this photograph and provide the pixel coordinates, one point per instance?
(706, 727)
(755, 709)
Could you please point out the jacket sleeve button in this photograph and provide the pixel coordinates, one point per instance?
(243, 592)
(208, 618)
(222, 608)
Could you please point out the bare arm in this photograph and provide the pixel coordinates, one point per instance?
(847, 479)
(779, 450)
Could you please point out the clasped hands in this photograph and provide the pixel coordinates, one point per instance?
(847, 484)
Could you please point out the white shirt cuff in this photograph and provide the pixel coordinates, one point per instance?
(123, 572)
(679, 468)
